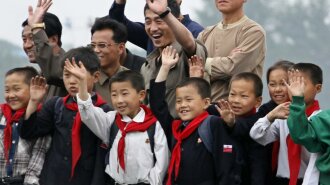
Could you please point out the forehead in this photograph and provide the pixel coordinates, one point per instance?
(117, 86)
(15, 79)
(26, 31)
(276, 74)
(148, 14)
(188, 90)
(102, 35)
(242, 85)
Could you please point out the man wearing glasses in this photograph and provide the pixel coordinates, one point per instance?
(108, 42)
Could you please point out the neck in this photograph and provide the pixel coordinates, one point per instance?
(123, 57)
(56, 50)
(231, 18)
(111, 70)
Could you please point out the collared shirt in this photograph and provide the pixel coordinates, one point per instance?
(29, 156)
(102, 87)
(178, 74)
(139, 163)
(265, 132)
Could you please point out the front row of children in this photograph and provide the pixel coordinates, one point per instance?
(148, 146)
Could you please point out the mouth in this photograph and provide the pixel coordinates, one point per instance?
(73, 89)
(30, 53)
(279, 96)
(156, 36)
(121, 108)
(236, 108)
(184, 111)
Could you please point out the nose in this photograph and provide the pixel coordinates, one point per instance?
(28, 44)
(153, 26)
(72, 80)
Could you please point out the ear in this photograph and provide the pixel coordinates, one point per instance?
(121, 47)
(258, 102)
(53, 40)
(142, 95)
(318, 88)
(207, 102)
(96, 76)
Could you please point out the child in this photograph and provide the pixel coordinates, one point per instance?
(71, 159)
(197, 158)
(19, 157)
(136, 155)
(292, 159)
(312, 133)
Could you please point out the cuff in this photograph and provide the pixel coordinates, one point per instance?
(84, 103)
(298, 100)
(208, 66)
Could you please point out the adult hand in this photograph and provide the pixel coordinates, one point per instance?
(196, 67)
(157, 6)
(37, 15)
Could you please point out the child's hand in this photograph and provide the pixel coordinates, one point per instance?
(226, 113)
(280, 112)
(296, 86)
(196, 67)
(38, 89)
(78, 71)
(169, 57)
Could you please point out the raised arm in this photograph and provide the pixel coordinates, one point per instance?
(136, 32)
(181, 33)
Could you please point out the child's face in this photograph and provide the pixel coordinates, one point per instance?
(71, 82)
(125, 99)
(278, 91)
(17, 92)
(189, 103)
(242, 97)
(311, 90)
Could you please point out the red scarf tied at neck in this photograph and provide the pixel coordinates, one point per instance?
(294, 150)
(125, 128)
(179, 137)
(75, 134)
(10, 119)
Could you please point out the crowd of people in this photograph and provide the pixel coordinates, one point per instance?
(190, 113)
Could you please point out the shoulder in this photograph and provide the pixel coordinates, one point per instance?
(250, 26)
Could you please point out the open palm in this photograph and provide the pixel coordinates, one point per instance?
(296, 86)
(169, 56)
(37, 15)
(157, 6)
(38, 88)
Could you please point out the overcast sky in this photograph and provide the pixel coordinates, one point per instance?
(78, 12)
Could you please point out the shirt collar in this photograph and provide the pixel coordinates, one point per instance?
(229, 26)
(139, 118)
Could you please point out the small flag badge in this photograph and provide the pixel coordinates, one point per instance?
(199, 140)
(227, 148)
(147, 141)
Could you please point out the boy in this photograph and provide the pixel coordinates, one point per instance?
(136, 156)
(313, 133)
(19, 157)
(71, 159)
(274, 127)
(197, 158)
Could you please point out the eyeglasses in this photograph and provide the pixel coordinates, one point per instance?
(100, 45)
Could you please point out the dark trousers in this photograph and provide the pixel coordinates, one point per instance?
(19, 180)
(284, 181)
(110, 181)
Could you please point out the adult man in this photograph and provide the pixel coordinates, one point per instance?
(164, 29)
(108, 42)
(42, 43)
(236, 44)
(136, 32)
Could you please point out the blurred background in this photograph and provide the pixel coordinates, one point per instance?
(297, 30)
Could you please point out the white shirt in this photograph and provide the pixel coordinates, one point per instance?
(139, 162)
(265, 132)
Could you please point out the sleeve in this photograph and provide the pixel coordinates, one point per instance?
(159, 106)
(265, 132)
(243, 126)
(49, 63)
(96, 119)
(135, 30)
(36, 162)
(301, 129)
(40, 123)
(253, 51)
(162, 153)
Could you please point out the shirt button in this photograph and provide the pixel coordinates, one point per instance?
(13, 141)
(16, 124)
(68, 143)
(65, 158)
(10, 160)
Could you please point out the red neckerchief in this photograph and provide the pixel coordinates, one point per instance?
(294, 150)
(10, 119)
(149, 119)
(75, 133)
(179, 137)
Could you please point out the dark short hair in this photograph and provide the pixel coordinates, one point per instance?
(312, 70)
(28, 71)
(53, 26)
(202, 86)
(248, 76)
(135, 78)
(285, 65)
(119, 30)
(84, 54)
(172, 4)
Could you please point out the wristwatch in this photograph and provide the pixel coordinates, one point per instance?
(164, 14)
(39, 25)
